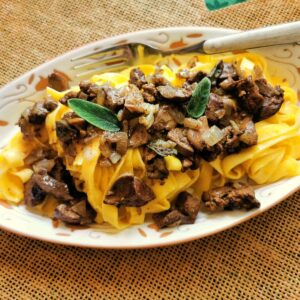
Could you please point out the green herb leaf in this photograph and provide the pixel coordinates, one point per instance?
(95, 114)
(197, 104)
(163, 148)
(216, 72)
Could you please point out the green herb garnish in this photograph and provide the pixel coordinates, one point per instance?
(95, 114)
(197, 104)
(163, 148)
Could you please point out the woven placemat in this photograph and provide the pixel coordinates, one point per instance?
(256, 260)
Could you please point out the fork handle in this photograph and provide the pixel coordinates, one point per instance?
(267, 36)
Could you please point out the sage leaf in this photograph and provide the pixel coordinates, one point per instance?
(198, 102)
(95, 114)
(216, 72)
(163, 148)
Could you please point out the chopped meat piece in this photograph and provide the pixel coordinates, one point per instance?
(82, 95)
(228, 71)
(210, 154)
(115, 98)
(273, 99)
(195, 137)
(74, 120)
(33, 118)
(249, 96)
(169, 218)
(128, 115)
(60, 173)
(196, 159)
(179, 136)
(231, 140)
(196, 76)
(183, 211)
(137, 77)
(33, 194)
(134, 100)
(158, 79)
(149, 92)
(186, 163)
(97, 94)
(129, 190)
(168, 92)
(50, 104)
(68, 134)
(190, 87)
(157, 169)
(139, 136)
(125, 125)
(259, 98)
(220, 109)
(43, 165)
(230, 197)
(164, 119)
(72, 94)
(85, 86)
(39, 154)
(58, 81)
(75, 212)
(76, 124)
(92, 132)
(228, 84)
(188, 205)
(52, 186)
(65, 132)
(223, 71)
(249, 135)
(26, 128)
(191, 76)
(42, 184)
(177, 113)
(105, 162)
(148, 154)
(37, 114)
(117, 139)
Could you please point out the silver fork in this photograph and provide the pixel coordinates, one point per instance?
(123, 56)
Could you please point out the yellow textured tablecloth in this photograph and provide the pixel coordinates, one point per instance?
(256, 260)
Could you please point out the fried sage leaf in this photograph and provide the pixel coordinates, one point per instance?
(163, 148)
(95, 114)
(199, 99)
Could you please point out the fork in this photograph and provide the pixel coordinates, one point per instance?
(123, 56)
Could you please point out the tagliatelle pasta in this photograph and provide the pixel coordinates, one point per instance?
(275, 155)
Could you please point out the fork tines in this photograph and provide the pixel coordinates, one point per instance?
(103, 60)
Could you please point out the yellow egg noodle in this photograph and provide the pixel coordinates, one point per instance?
(274, 157)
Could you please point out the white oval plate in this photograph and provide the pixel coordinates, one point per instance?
(15, 96)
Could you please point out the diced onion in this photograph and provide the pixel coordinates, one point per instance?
(149, 108)
(191, 123)
(120, 115)
(147, 120)
(115, 157)
(213, 135)
(234, 126)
